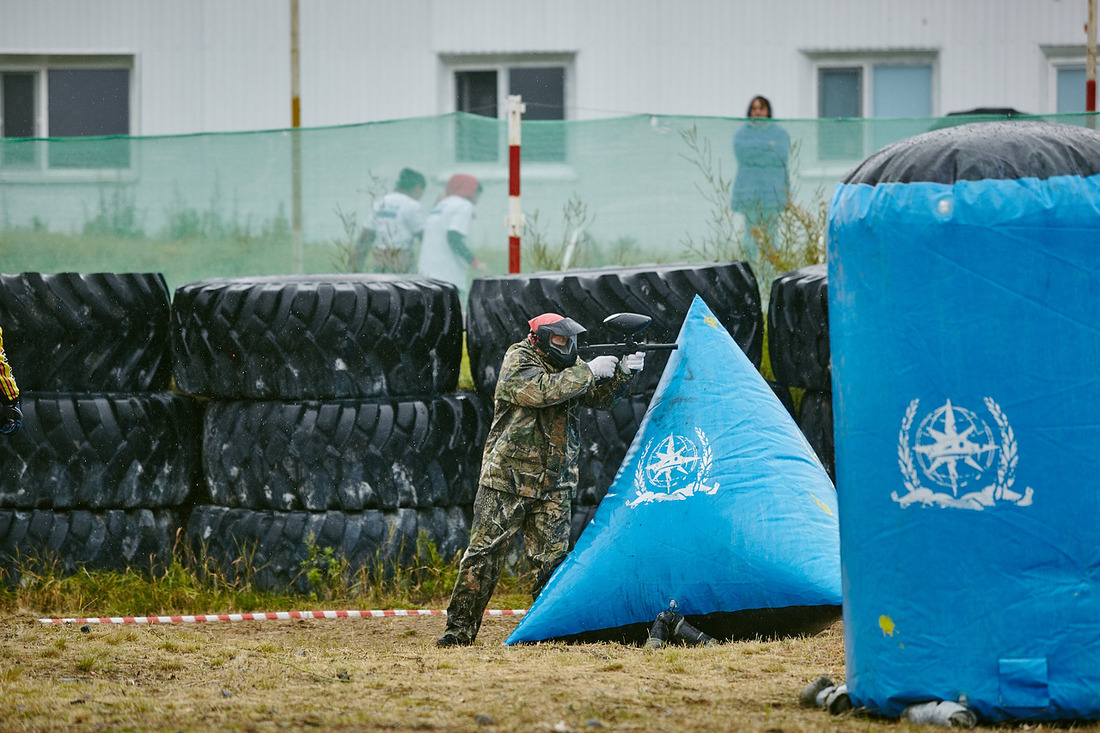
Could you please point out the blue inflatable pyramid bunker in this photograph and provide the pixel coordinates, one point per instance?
(964, 320)
(720, 505)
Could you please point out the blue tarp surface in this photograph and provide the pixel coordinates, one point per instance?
(965, 338)
(719, 504)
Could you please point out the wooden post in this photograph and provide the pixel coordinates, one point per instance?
(295, 143)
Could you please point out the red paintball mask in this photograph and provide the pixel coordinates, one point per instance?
(543, 330)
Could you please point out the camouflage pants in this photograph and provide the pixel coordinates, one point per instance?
(498, 516)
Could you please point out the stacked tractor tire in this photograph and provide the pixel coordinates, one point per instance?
(798, 346)
(331, 421)
(317, 417)
(104, 466)
(499, 308)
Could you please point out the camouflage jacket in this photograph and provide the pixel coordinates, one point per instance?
(533, 443)
(9, 392)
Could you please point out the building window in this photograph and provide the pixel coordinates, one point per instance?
(543, 92)
(902, 91)
(1069, 89)
(17, 116)
(481, 89)
(840, 92)
(476, 94)
(57, 97)
(888, 87)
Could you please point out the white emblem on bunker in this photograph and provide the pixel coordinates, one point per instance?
(955, 449)
(673, 469)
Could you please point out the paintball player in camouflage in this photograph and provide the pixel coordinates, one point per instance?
(529, 468)
(11, 417)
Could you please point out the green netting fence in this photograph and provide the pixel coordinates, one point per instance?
(619, 191)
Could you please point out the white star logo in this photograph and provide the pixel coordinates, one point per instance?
(669, 459)
(950, 446)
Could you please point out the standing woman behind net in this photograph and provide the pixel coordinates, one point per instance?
(762, 149)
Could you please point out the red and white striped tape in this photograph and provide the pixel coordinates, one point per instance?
(275, 616)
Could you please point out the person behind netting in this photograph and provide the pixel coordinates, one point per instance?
(395, 226)
(762, 149)
(446, 253)
(11, 416)
(529, 467)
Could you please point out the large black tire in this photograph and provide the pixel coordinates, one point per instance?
(582, 515)
(140, 539)
(499, 308)
(101, 332)
(306, 337)
(815, 419)
(349, 455)
(783, 393)
(605, 436)
(273, 548)
(102, 451)
(798, 329)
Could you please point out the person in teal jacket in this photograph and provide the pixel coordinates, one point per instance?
(762, 149)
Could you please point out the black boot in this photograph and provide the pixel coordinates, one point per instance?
(658, 634)
(681, 630)
(449, 640)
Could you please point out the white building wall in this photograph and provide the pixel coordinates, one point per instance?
(709, 57)
(200, 65)
(213, 65)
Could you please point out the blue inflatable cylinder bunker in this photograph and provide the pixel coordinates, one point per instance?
(964, 318)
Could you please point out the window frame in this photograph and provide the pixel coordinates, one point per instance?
(39, 65)
(865, 61)
(1058, 58)
(502, 64)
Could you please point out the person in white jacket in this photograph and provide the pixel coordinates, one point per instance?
(445, 254)
(395, 226)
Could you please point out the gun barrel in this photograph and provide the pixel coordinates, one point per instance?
(625, 348)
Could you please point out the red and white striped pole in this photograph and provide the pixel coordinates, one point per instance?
(1090, 64)
(515, 109)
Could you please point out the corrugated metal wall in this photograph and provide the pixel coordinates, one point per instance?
(210, 65)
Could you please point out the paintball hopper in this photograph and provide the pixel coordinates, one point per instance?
(626, 326)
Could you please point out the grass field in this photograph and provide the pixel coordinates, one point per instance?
(352, 674)
(386, 674)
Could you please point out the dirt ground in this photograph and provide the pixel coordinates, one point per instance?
(386, 674)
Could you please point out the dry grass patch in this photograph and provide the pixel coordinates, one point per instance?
(386, 674)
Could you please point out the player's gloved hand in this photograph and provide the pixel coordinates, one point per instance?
(603, 366)
(632, 362)
(11, 418)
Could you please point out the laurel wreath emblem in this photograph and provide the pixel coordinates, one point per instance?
(1000, 490)
(905, 458)
(639, 473)
(706, 458)
(1006, 467)
(706, 461)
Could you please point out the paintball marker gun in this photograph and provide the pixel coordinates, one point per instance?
(626, 325)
